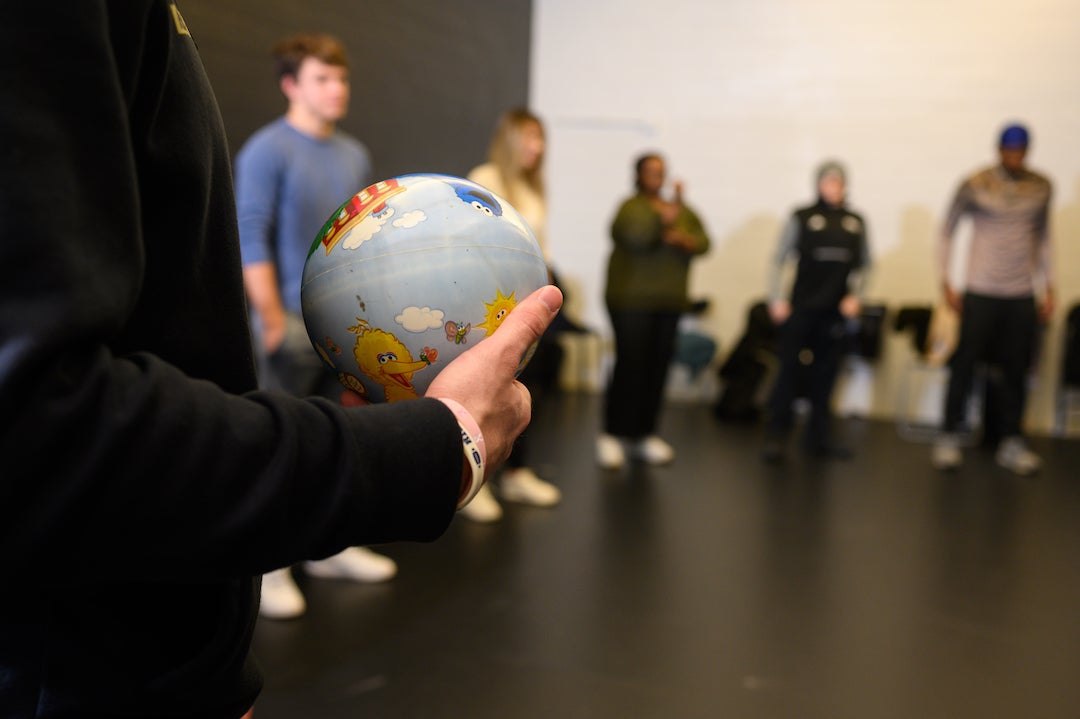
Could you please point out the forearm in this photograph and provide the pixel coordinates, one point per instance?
(784, 250)
(857, 282)
(1044, 263)
(693, 238)
(859, 278)
(261, 285)
(956, 211)
(212, 487)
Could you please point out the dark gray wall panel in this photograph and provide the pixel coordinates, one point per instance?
(428, 78)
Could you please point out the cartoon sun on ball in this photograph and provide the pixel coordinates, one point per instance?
(382, 357)
(497, 310)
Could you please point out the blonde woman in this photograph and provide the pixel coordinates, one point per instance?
(514, 171)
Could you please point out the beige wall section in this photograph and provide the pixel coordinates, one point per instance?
(746, 97)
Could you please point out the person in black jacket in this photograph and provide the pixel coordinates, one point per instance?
(827, 241)
(146, 483)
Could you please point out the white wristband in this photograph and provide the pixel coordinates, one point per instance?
(472, 443)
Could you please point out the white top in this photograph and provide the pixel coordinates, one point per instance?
(529, 203)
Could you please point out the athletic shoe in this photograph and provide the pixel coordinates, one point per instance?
(280, 598)
(946, 453)
(609, 452)
(522, 485)
(654, 450)
(1014, 455)
(358, 564)
(483, 507)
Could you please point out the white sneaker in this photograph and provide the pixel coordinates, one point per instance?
(280, 598)
(654, 450)
(946, 453)
(522, 485)
(609, 452)
(1014, 455)
(483, 507)
(359, 564)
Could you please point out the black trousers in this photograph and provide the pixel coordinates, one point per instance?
(822, 332)
(644, 346)
(999, 331)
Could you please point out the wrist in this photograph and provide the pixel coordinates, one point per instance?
(473, 448)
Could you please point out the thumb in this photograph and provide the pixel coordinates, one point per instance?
(524, 325)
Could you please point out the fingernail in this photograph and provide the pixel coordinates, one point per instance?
(551, 297)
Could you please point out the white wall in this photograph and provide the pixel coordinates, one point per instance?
(746, 97)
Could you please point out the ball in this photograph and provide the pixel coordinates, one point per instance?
(409, 273)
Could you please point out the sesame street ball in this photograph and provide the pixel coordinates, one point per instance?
(408, 274)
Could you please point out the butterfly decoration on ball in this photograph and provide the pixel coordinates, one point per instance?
(439, 261)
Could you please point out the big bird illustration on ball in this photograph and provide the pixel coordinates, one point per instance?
(382, 357)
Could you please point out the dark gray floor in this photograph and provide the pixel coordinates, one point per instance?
(715, 587)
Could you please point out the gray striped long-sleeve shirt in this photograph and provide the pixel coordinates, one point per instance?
(1010, 242)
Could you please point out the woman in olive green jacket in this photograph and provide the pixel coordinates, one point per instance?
(654, 241)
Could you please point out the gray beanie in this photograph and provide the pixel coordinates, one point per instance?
(831, 167)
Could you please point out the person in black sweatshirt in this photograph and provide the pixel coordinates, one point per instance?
(146, 483)
(827, 242)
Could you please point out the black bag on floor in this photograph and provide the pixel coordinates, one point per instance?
(746, 368)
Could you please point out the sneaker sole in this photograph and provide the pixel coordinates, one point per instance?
(373, 578)
(278, 616)
(532, 501)
(1021, 471)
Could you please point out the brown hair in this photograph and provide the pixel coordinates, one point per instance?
(501, 151)
(292, 51)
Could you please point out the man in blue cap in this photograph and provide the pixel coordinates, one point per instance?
(1008, 264)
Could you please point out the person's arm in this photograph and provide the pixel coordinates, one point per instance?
(957, 209)
(779, 304)
(858, 279)
(688, 234)
(258, 194)
(264, 294)
(130, 452)
(1044, 266)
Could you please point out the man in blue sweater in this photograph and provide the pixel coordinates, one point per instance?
(290, 176)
